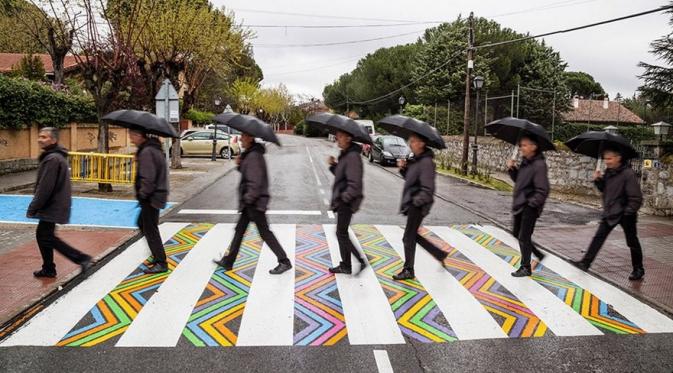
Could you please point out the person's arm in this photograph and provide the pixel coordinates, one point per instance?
(332, 162)
(45, 186)
(599, 180)
(255, 172)
(634, 195)
(512, 170)
(426, 180)
(353, 179)
(540, 186)
(147, 175)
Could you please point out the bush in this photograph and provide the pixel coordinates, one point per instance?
(299, 128)
(636, 134)
(199, 117)
(312, 131)
(23, 102)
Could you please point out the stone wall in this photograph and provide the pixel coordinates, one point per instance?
(568, 172)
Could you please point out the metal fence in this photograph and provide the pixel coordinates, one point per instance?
(102, 168)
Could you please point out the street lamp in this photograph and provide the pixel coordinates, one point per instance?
(478, 83)
(611, 130)
(401, 102)
(213, 156)
(661, 129)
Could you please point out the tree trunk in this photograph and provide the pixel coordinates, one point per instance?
(103, 147)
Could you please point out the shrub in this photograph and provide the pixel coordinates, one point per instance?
(199, 117)
(636, 134)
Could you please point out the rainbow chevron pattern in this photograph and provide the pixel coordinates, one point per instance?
(417, 314)
(319, 317)
(216, 318)
(515, 319)
(113, 314)
(598, 313)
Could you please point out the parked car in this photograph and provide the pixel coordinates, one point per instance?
(189, 131)
(201, 143)
(388, 149)
(369, 125)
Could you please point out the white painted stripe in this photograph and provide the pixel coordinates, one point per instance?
(465, 314)
(326, 201)
(369, 318)
(559, 317)
(382, 361)
(330, 214)
(49, 326)
(162, 319)
(315, 173)
(646, 317)
(268, 319)
(235, 212)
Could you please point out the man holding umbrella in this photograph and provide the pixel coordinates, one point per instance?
(622, 196)
(253, 190)
(419, 185)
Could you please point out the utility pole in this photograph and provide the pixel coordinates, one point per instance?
(448, 117)
(466, 116)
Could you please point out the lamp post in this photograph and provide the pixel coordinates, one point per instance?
(213, 156)
(401, 102)
(661, 130)
(478, 83)
(611, 130)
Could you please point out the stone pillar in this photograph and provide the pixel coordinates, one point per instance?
(34, 147)
(73, 137)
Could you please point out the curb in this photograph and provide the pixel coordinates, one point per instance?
(17, 187)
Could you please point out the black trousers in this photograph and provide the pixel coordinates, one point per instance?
(628, 223)
(47, 242)
(346, 247)
(250, 214)
(524, 225)
(148, 221)
(411, 238)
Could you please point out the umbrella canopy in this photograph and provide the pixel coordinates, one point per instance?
(402, 126)
(511, 130)
(593, 143)
(336, 122)
(141, 121)
(248, 124)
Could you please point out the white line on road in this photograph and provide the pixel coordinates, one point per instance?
(315, 173)
(326, 201)
(330, 214)
(382, 361)
(235, 212)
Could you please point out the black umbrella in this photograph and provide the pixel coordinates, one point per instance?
(335, 122)
(511, 130)
(402, 126)
(253, 126)
(593, 143)
(142, 121)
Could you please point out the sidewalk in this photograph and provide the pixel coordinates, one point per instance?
(567, 228)
(19, 253)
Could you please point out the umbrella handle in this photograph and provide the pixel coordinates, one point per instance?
(515, 152)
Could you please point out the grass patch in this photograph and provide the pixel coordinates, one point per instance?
(487, 182)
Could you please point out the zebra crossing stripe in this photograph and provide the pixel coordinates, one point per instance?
(465, 314)
(559, 317)
(591, 308)
(49, 326)
(647, 318)
(161, 320)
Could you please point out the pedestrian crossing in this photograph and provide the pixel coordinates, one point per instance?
(471, 296)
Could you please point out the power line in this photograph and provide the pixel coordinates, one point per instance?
(282, 67)
(342, 26)
(293, 14)
(314, 68)
(336, 43)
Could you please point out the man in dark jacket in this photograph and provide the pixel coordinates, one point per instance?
(622, 199)
(51, 204)
(151, 187)
(346, 197)
(417, 199)
(531, 189)
(253, 197)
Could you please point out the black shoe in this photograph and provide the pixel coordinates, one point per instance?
(280, 268)
(223, 264)
(363, 265)
(540, 257)
(637, 274)
(157, 268)
(86, 265)
(43, 273)
(340, 269)
(580, 264)
(406, 274)
(522, 272)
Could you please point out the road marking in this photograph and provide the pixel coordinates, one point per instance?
(465, 314)
(322, 192)
(235, 212)
(369, 318)
(382, 361)
(326, 201)
(330, 214)
(268, 319)
(558, 316)
(647, 318)
(162, 319)
(315, 173)
(49, 326)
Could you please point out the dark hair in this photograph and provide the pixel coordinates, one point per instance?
(534, 139)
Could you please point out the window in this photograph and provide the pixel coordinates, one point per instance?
(202, 136)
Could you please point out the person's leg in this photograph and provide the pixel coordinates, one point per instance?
(44, 234)
(235, 245)
(259, 218)
(525, 235)
(436, 252)
(597, 242)
(150, 227)
(414, 219)
(344, 216)
(629, 225)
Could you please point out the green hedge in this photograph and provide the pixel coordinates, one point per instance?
(24, 102)
(636, 134)
(199, 117)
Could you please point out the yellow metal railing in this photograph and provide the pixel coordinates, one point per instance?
(102, 168)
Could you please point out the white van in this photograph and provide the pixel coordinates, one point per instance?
(368, 124)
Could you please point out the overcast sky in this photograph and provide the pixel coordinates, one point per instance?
(610, 53)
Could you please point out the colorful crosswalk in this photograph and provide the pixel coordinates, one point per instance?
(469, 296)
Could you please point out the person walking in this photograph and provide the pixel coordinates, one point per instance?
(417, 199)
(253, 194)
(151, 188)
(346, 197)
(51, 204)
(531, 189)
(622, 198)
